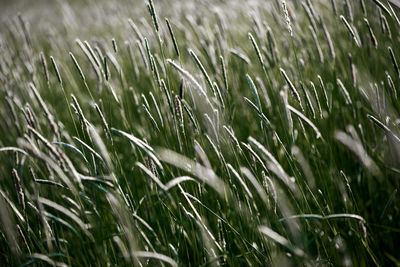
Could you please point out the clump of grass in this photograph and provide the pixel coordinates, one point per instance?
(175, 143)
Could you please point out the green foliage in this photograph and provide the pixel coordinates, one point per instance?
(252, 135)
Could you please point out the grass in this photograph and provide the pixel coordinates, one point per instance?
(249, 134)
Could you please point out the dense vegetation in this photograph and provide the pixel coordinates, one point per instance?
(229, 133)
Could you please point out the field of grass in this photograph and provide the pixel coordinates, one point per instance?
(197, 133)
